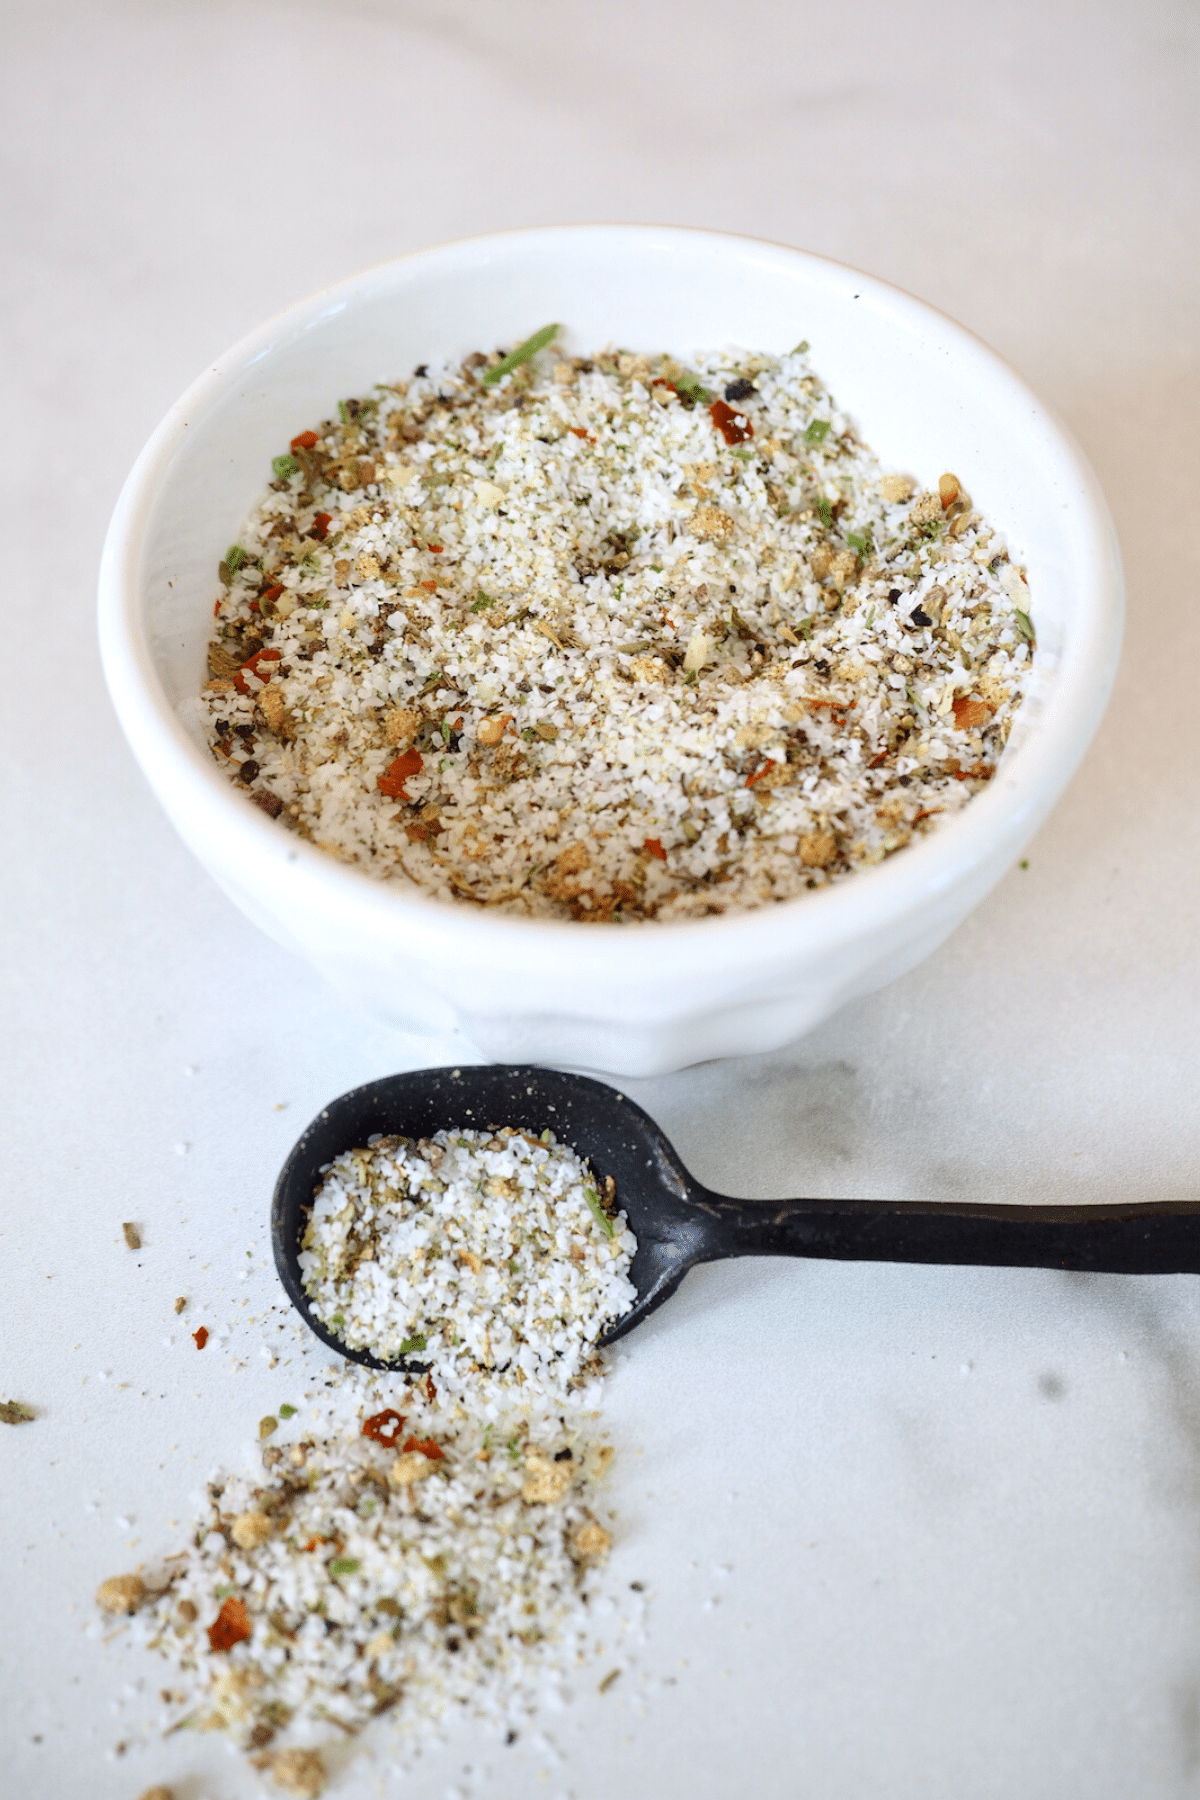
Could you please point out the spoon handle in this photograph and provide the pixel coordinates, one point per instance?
(1151, 1239)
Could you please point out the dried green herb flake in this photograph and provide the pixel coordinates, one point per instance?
(695, 390)
(521, 354)
(598, 1213)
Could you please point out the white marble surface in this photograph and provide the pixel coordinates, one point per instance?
(960, 1511)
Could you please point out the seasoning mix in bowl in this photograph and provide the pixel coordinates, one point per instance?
(611, 637)
(642, 636)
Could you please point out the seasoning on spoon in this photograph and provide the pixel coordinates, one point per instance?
(493, 1257)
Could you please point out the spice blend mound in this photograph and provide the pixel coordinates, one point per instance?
(495, 1258)
(426, 1559)
(610, 638)
(432, 1540)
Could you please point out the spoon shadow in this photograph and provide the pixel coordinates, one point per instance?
(678, 1222)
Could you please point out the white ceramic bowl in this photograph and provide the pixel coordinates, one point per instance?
(641, 999)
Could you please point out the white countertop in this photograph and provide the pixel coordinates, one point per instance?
(903, 1532)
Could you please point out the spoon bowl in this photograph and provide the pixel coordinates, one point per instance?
(678, 1222)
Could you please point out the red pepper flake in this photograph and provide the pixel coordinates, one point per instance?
(312, 1543)
(385, 1427)
(320, 526)
(201, 1337)
(978, 772)
(734, 427)
(272, 593)
(216, 609)
(660, 382)
(392, 781)
(437, 548)
(653, 847)
(429, 586)
(581, 431)
(837, 708)
(929, 813)
(255, 607)
(430, 1390)
(426, 1446)
(230, 1627)
(760, 773)
(254, 664)
(970, 713)
(307, 440)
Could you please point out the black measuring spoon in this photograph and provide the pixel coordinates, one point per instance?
(678, 1222)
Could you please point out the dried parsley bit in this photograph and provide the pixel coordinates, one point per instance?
(15, 1412)
(689, 388)
(285, 466)
(232, 561)
(522, 354)
(597, 1211)
(818, 430)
